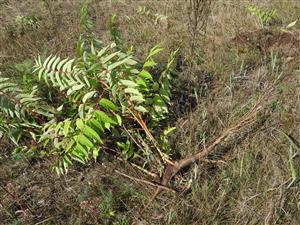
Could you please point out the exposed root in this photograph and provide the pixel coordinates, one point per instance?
(172, 169)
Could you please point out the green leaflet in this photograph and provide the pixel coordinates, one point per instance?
(115, 65)
(91, 133)
(102, 116)
(70, 145)
(88, 95)
(93, 51)
(80, 124)
(55, 63)
(87, 130)
(142, 84)
(95, 153)
(155, 86)
(168, 131)
(28, 99)
(60, 108)
(127, 61)
(119, 119)
(149, 101)
(96, 125)
(67, 160)
(141, 109)
(134, 71)
(130, 61)
(81, 110)
(77, 157)
(60, 65)
(52, 63)
(80, 152)
(45, 65)
(107, 104)
(156, 49)
(83, 140)
(128, 83)
(293, 143)
(137, 98)
(7, 86)
(75, 88)
(132, 91)
(102, 51)
(149, 63)
(68, 66)
(107, 126)
(106, 59)
(67, 125)
(58, 169)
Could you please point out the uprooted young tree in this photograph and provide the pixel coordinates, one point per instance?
(107, 103)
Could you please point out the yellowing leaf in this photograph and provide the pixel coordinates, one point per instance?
(292, 24)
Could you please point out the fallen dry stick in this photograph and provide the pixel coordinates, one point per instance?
(172, 169)
(160, 186)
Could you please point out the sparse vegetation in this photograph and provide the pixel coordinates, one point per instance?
(178, 112)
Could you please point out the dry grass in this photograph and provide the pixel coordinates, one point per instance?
(244, 181)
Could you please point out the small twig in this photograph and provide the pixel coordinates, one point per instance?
(43, 221)
(154, 175)
(212, 161)
(163, 187)
(132, 138)
(145, 181)
(148, 133)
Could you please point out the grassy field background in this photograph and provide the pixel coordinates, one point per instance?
(226, 61)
